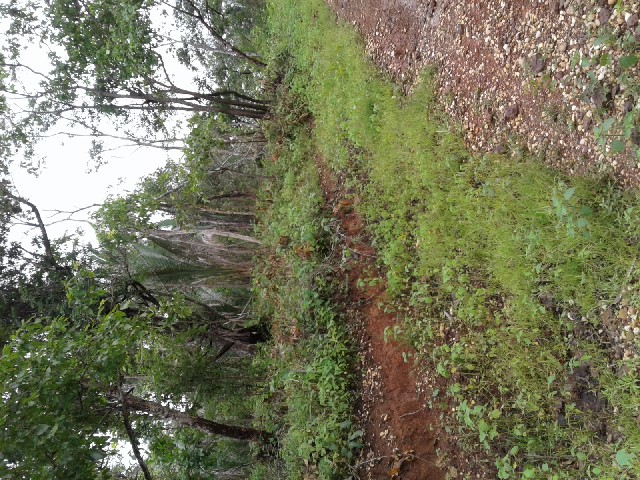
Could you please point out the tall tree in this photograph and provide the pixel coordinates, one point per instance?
(32, 277)
(106, 59)
(65, 394)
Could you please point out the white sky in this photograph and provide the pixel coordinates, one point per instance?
(67, 183)
(68, 180)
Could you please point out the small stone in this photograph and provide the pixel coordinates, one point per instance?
(612, 2)
(562, 47)
(632, 20)
(599, 97)
(570, 10)
(628, 106)
(537, 64)
(604, 15)
(511, 112)
(500, 149)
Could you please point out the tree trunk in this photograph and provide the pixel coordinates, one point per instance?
(185, 420)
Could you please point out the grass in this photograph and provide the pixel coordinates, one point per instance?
(309, 398)
(506, 271)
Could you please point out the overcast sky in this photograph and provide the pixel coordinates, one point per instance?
(67, 182)
(68, 179)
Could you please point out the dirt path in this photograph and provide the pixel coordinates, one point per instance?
(400, 432)
(507, 75)
(510, 72)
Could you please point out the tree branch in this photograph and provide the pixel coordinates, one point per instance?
(46, 243)
(197, 14)
(132, 437)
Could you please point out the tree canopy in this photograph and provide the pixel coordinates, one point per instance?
(115, 59)
(140, 338)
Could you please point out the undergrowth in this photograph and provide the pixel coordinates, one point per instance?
(505, 269)
(309, 397)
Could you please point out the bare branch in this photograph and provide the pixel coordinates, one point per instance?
(46, 243)
(132, 437)
(197, 14)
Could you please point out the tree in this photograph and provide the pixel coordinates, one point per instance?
(32, 278)
(65, 395)
(106, 60)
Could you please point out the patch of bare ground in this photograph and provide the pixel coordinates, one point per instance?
(400, 432)
(509, 72)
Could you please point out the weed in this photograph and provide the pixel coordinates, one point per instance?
(308, 402)
(505, 266)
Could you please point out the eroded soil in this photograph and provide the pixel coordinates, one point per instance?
(507, 76)
(400, 431)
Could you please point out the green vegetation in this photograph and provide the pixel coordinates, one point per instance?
(308, 403)
(506, 270)
(142, 346)
(611, 66)
(205, 330)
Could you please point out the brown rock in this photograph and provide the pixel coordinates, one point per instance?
(537, 63)
(500, 149)
(632, 21)
(604, 15)
(511, 112)
(487, 116)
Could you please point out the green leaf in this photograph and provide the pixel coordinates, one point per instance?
(529, 473)
(495, 414)
(617, 146)
(568, 193)
(41, 429)
(629, 61)
(53, 430)
(624, 458)
(607, 124)
(96, 455)
(586, 211)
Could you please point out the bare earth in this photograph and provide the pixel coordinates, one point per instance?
(400, 432)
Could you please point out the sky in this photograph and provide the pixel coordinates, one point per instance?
(68, 179)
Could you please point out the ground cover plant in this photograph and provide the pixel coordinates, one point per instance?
(308, 399)
(515, 284)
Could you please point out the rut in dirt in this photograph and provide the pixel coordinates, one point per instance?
(400, 431)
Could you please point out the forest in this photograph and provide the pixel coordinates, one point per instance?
(375, 249)
(144, 343)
